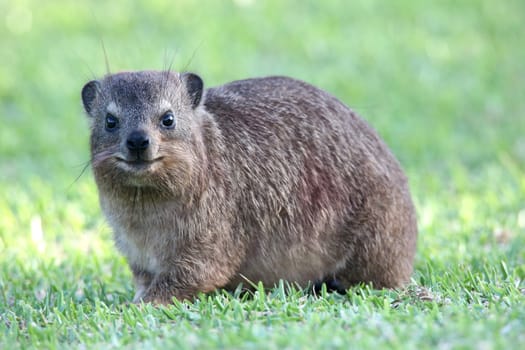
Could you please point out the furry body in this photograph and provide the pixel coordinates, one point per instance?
(260, 179)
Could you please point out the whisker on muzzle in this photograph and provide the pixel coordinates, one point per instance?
(84, 167)
(100, 157)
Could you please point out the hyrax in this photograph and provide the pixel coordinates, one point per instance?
(256, 180)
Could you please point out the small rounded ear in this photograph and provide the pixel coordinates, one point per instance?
(194, 86)
(89, 94)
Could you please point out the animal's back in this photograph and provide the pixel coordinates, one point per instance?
(306, 169)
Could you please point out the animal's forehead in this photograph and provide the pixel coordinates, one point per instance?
(139, 90)
(138, 87)
(141, 77)
(145, 86)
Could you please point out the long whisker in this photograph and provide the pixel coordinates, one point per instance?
(167, 72)
(194, 53)
(84, 167)
(106, 59)
(103, 155)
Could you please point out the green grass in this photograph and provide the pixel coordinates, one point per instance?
(442, 82)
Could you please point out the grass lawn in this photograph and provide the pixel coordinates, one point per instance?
(443, 82)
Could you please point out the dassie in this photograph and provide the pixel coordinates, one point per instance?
(256, 180)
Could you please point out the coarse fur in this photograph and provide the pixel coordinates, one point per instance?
(260, 180)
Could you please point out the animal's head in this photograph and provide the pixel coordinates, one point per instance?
(144, 127)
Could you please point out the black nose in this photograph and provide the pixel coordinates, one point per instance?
(137, 141)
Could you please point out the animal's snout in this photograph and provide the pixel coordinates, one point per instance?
(137, 141)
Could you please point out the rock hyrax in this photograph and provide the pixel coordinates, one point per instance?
(256, 180)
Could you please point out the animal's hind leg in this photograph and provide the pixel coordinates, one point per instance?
(381, 266)
(332, 285)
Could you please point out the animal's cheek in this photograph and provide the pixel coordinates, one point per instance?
(97, 144)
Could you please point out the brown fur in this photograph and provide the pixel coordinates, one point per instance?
(260, 179)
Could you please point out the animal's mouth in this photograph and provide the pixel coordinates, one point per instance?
(137, 164)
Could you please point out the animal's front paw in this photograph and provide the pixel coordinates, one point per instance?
(156, 300)
(163, 297)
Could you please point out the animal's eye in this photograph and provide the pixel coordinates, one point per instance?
(168, 120)
(111, 122)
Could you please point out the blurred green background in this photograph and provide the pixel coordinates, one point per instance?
(443, 82)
